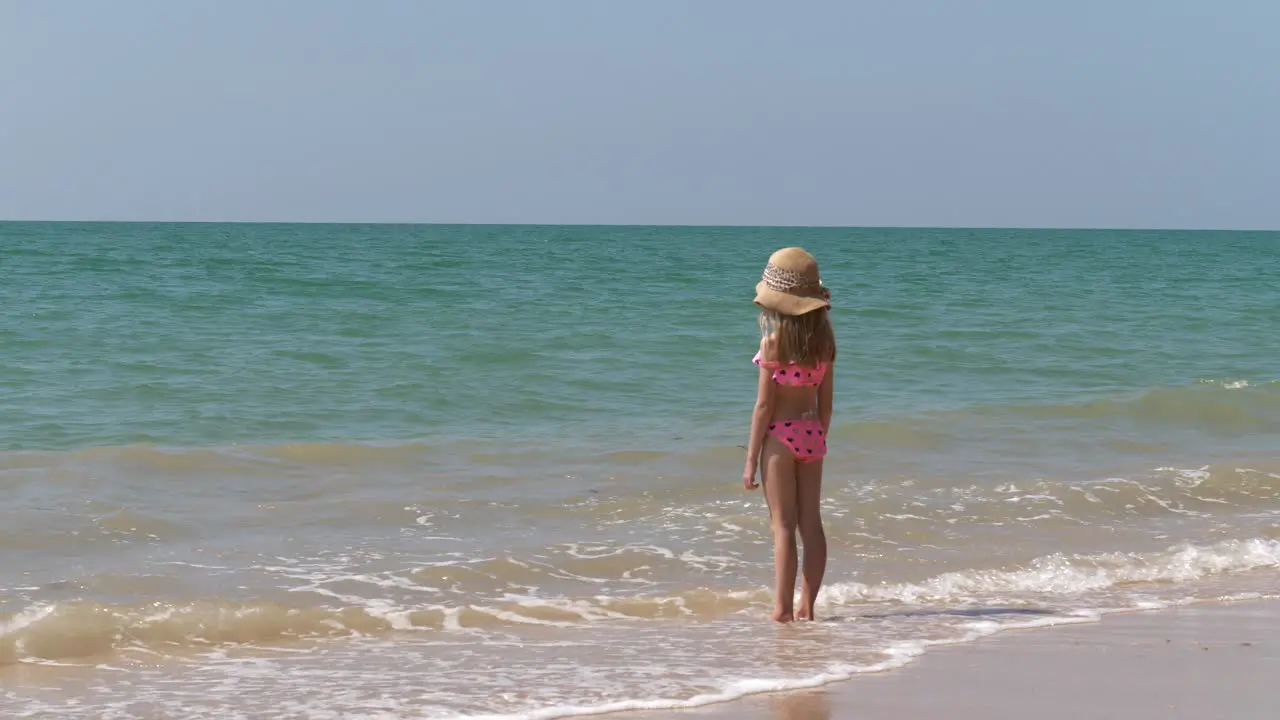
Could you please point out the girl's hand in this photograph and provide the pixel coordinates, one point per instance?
(749, 479)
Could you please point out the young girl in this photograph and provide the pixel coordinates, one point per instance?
(791, 419)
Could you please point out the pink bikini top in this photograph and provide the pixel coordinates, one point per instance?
(792, 374)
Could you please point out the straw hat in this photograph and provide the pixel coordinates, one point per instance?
(791, 284)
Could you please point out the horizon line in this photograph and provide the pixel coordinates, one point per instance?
(1130, 228)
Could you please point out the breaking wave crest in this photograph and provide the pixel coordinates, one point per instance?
(78, 629)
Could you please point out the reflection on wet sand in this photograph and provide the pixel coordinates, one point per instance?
(804, 706)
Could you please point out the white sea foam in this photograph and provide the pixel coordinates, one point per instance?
(872, 628)
(895, 656)
(1067, 575)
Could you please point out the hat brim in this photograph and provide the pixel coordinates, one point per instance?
(787, 303)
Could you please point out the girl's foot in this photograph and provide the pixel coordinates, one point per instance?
(806, 609)
(782, 615)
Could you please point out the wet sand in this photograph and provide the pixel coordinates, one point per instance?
(1208, 662)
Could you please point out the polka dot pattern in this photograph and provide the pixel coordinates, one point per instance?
(805, 438)
(793, 375)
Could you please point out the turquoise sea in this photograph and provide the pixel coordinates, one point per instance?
(317, 470)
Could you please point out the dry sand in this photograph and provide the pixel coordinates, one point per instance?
(1206, 662)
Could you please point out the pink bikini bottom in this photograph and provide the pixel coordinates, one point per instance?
(805, 438)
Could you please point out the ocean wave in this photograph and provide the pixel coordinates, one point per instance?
(81, 629)
(1062, 575)
(61, 631)
(1215, 407)
(1206, 491)
(1232, 405)
(894, 509)
(712, 525)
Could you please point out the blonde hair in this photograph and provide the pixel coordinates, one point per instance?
(806, 339)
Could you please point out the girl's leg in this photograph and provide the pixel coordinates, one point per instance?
(809, 519)
(778, 472)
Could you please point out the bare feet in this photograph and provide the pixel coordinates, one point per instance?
(782, 615)
(806, 609)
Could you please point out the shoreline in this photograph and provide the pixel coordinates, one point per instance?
(1204, 660)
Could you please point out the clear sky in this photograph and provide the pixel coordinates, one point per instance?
(1089, 113)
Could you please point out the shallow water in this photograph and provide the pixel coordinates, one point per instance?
(442, 472)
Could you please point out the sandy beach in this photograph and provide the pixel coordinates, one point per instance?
(1208, 662)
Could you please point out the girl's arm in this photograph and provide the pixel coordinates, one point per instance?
(760, 417)
(826, 391)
